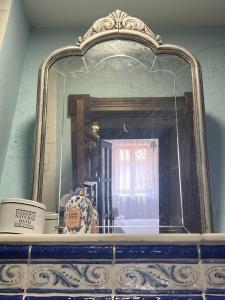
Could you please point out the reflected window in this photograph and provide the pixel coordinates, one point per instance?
(135, 167)
(135, 184)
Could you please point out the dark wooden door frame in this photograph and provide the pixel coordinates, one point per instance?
(82, 106)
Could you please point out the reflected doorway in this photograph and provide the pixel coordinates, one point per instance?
(99, 125)
(130, 185)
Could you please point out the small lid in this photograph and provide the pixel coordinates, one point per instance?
(23, 201)
(51, 216)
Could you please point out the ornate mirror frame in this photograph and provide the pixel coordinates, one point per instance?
(119, 25)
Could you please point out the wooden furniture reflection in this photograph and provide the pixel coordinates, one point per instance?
(145, 118)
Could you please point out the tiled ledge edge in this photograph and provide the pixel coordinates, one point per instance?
(170, 267)
(101, 239)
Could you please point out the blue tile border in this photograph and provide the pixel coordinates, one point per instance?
(11, 297)
(215, 291)
(157, 292)
(171, 297)
(11, 291)
(157, 251)
(157, 261)
(150, 260)
(65, 298)
(210, 297)
(14, 251)
(212, 251)
(71, 252)
(69, 291)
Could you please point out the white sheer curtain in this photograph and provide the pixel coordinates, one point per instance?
(135, 182)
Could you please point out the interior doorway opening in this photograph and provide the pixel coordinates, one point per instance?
(98, 124)
(130, 185)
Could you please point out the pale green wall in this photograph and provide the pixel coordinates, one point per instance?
(12, 55)
(207, 43)
(17, 172)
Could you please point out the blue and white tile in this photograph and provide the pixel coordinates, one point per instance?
(214, 277)
(12, 277)
(69, 277)
(153, 277)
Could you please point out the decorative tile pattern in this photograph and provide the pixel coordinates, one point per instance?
(71, 252)
(160, 272)
(69, 277)
(214, 278)
(215, 275)
(12, 277)
(133, 278)
(213, 258)
(156, 251)
(14, 252)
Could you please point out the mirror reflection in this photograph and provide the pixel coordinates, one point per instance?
(120, 125)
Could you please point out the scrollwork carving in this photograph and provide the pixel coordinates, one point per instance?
(117, 20)
(216, 276)
(69, 276)
(11, 274)
(157, 276)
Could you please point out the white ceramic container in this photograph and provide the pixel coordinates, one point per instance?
(51, 223)
(21, 216)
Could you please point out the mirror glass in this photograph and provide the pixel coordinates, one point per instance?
(120, 123)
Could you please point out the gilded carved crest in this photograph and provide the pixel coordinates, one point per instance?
(118, 20)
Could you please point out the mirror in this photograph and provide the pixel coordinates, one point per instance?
(122, 115)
